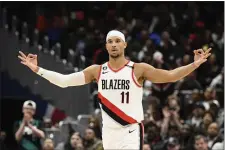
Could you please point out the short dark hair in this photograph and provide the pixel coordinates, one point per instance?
(198, 137)
(210, 113)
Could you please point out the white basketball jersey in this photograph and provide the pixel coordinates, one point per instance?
(120, 96)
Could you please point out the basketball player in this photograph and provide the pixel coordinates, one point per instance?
(119, 89)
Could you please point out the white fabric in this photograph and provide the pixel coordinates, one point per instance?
(115, 33)
(157, 55)
(216, 80)
(29, 104)
(132, 104)
(73, 79)
(218, 146)
(120, 138)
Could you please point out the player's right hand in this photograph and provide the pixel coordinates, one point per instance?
(30, 61)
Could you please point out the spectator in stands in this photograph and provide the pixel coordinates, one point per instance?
(166, 47)
(172, 144)
(49, 128)
(208, 118)
(147, 90)
(214, 107)
(47, 123)
(186, 59)
(48, 144)
(153, 137)
(173, 103)
(218, 80)
(152, 114)
(218, 35)
(146, 146)
(90, 140)
(218, 85)
(195, 117)
(209, 94)
(171, 125)
(28, 131)
(95, 125)
(75, 142)
(218, 146)
(209, 71)
(190, 102)
(186, 137)
(2, 141)
(201, 143)
(213, 134)
(146, 52)
(195, 96)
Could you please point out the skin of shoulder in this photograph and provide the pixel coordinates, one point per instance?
(139, 71)
(91, 73)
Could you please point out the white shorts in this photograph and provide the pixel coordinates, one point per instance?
(129, 137)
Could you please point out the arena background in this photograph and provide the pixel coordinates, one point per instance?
(69, 36)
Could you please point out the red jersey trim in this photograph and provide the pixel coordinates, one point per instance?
(115, 110)
(99, 73)
(134, 78)
(117, 69)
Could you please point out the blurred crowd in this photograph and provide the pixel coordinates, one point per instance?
(186, 115)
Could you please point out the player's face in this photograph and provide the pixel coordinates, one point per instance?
(115, 46)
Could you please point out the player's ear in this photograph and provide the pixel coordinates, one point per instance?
(106, 46)
(125, 44)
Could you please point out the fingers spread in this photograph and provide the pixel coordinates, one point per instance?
(22, 62)
(22, 54)
(206, 55)
(200, 51)
(208, 50)
(22, 58)
(31, 55)
(195, 52)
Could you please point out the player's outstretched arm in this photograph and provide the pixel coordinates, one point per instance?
(74, 79)
(163, 76)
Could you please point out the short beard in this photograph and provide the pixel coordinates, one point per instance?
(114, 57)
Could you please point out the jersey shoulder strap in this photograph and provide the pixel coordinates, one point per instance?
(104, 67)
(130, 64)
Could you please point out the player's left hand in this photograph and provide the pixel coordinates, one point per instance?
(201, 56)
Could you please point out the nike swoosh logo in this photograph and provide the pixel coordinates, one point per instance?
(131, 131)
(104, 72)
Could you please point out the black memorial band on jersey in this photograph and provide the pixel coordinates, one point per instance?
(114, 116)
(114, 112)
(115, 84)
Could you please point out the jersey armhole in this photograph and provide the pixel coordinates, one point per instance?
(134, 77)
(99, 73)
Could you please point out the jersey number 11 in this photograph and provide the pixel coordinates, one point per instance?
(125, 96)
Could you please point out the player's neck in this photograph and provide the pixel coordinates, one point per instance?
(118, 62)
